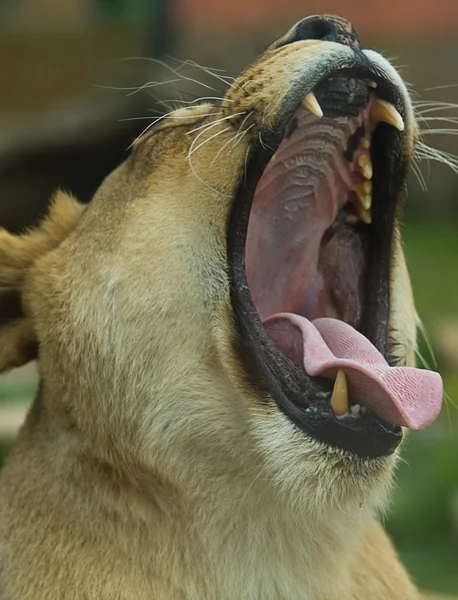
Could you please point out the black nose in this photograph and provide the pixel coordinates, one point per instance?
(327, 28)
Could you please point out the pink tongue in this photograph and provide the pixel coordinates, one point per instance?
(400, 395)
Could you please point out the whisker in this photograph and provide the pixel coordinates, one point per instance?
(424, 333)
(237, 137)
(419, 175)
(242, 134)
(169, 116)
(217, 121)
(429, 107)
(439, 131)
(191, 151)
(210, 72)
(201, 99)
(442, 87)
(151, 125)
(253, 81)
(185, 62)
(443, 119)
(246, 166)
(151, 84)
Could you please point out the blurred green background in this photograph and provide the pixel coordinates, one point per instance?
(61, 127)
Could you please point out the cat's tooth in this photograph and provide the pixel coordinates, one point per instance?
(310, 103)
(363, 192)
(365, 214)
(370, 83)
(381, 110)
(365, 166)
(352, 219)
(339, 398)
(354, 409)
(366, 144)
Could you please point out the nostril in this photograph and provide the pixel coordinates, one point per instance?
(316, 28)
(325, 28)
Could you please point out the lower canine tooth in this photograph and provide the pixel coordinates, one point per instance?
(310, 103)
(339, 398)
(381, 110)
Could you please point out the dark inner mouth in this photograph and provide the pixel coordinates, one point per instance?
(311, 238)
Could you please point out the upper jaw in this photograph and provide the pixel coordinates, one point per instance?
(300, 72)
(271, 372)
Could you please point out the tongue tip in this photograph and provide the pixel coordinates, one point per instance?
(431, 404)
(403, 396)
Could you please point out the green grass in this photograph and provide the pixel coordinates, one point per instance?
(432, 256)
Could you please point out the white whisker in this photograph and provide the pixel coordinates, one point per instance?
(191, 150)
(419, 175)
(424, 333)
(246, 166)
(197, 100)
(216, 122)
(237, 137)
(151, 125)
(439, 131)
(443, 119)
(442, 87)
(169, 116)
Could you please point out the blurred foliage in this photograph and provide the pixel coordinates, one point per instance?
(423, 519)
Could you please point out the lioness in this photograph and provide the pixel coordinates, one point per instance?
(225, 338)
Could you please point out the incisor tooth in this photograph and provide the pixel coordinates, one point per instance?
(381, 110)
(366, 144)
(310, 103)
(339, 398)
(365, 166)
(355, 408)
(364, 193)
(370, 83)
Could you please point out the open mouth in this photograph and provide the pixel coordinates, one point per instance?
(310, 246)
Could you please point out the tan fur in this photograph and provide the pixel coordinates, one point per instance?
(148, 469)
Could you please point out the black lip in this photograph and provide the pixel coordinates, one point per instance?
(305, 400)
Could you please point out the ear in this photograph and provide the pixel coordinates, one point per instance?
(18, 343)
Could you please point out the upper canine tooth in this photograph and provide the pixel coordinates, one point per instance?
(364, 194)
(339, 398)
(381, 110)
(365, 166)
(370, 83)
(310, 103)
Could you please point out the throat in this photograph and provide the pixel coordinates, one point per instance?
(296, 552)
(309, 227)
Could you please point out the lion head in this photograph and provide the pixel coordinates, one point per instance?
(233, 311)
